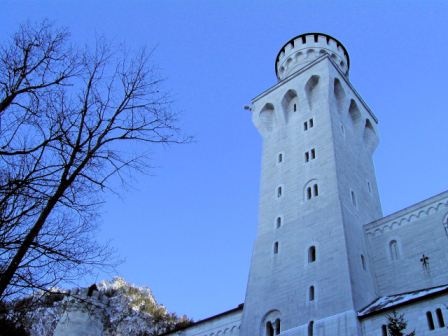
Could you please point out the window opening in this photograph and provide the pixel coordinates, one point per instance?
(313, 154)
(353, 198)
(384, 330)
(279, 192)
(430, 320)
(440, 318)
(307, 157)
(277, 326)
(305, 125)
(311, 328)
(311, 294)
(280, 158)
(316, 190)
(363, 262)
(295, 107)
(269, 329)
(312, 254)
(393, 249)
(308, 193)
(276, 248)
(279, 222)
(311, 122)
(369, 186)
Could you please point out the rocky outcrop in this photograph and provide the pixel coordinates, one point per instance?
(105, 309)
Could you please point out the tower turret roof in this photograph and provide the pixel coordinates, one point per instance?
(304, 48)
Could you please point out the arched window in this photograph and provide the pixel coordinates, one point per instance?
(311, 90)
(311, 188)
(276, 248)
(440, 319)
(311, 328)
(369, 136)
(393, 250)
(271, 323)
(339, 94)
(311, 294)
(289, 104)
(312, 254)
(277, 326)
(278, 222)
(267, 117)
(430, 320)
(354, 112)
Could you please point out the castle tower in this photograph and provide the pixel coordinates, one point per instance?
(310, 272)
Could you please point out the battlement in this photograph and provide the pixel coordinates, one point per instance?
(305, 48)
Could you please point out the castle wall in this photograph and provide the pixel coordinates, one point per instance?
(415, 314)
(227, 324)
(355, 139)
(421, 229)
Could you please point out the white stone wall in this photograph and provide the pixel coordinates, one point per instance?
(280, 282)
(419, 229)
(226, 325)
(415, 314)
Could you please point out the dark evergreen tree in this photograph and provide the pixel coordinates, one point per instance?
(396, 325)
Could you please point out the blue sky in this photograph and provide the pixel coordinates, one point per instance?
(186, 230)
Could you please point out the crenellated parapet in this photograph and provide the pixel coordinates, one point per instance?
(305, 48)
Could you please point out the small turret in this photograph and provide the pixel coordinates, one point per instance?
(305, 48)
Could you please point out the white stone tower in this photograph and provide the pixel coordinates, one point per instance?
(310, 272)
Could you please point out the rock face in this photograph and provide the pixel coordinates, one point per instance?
(76, 322)
(105, 309)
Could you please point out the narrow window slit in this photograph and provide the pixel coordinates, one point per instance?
(430, 320)
(276, 248)
(311, 294)
(440, 319)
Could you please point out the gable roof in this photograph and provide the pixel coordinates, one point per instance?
(387, 302)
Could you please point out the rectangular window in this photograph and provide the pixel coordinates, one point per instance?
(307, 156)
(305, 125)
(430, 320)
(313, 154)
(276, 248)
(311, 122)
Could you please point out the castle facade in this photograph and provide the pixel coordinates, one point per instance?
(325, 261)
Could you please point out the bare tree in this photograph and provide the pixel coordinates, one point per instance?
(68, 119)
